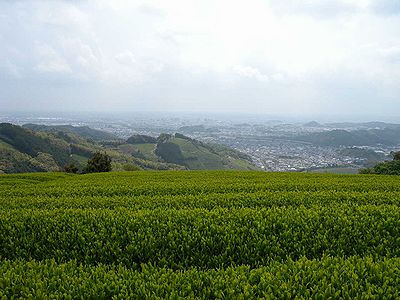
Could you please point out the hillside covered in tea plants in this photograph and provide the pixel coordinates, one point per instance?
(199, 234)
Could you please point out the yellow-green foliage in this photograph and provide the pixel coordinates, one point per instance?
(327, 278)
(45, 162)
(199, 234)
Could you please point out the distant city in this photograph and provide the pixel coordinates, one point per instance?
(274, 145)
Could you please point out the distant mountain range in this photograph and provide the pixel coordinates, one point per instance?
(388, 136)
(364, 125)
(353, 125)
(313, 124)
(40, 148)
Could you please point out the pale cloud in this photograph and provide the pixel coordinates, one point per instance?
(391, 54)
(49, 60)
(203, 55)
(251, 72)
(389, 7)
(84, 59)
(12, 69)
(335, 8)
(125, 58)
(317, 8)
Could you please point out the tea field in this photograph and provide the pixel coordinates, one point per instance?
(199, 235)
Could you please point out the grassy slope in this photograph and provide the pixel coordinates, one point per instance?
(194, 155)
(199, 157)
(81, 160)
(147, 150)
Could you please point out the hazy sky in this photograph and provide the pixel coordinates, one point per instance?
(253, 56)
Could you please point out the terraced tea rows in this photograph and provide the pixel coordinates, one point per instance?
(199, 234)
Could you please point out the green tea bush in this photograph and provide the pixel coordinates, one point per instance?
(199, 235)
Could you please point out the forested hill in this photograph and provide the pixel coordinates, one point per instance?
(40, 148)
(83, 131)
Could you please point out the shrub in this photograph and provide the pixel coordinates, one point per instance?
(100, 162)
(71, 168)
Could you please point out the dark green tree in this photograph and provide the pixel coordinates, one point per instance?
(396, 155)
(100, 162)
(385, 168)
(71, 168)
